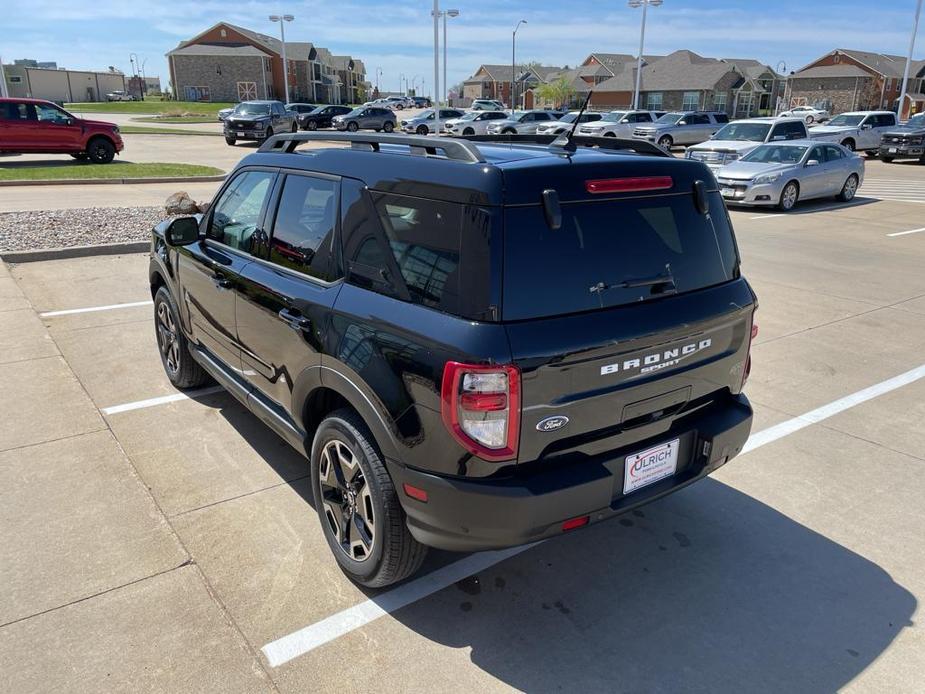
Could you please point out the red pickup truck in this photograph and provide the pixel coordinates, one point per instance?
(36, 126)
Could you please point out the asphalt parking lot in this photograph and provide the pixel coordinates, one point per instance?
(157, 542)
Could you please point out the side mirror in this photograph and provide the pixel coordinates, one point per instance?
(625, 120)
(777, 138)
(812, 162)
(182, 231)
(866, 126)
(682, 122)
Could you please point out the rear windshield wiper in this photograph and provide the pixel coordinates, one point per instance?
(664, 281)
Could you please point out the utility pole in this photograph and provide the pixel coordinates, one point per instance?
(436, 13)
(3, 91)
(902, 91)
(642, 40)
(282, 19)
(514, 62)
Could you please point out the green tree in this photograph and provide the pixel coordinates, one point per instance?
(558, 92)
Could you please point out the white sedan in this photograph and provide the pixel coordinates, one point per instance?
(807, 113)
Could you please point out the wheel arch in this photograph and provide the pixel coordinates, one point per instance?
(321, 390)
(97, 136)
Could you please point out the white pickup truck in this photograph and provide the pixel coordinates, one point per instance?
(736, 139)
(858, 131)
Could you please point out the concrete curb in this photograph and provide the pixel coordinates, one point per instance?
(75, 252)
(116, 181)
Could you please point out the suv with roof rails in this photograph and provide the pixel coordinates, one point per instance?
(620, 123)
(682, 128)
(736, 139)
(859, 131)
(380, 307)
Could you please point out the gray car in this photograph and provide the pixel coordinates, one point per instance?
(681, 128)
(474, 122)
(366, 118)
(522, 123)
(423, 123)
(781, 173)
(258, 120)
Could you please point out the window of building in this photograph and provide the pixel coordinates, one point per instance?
(198, 94)
(654, 101)
(237, 214)
(303, 233)
(15, 79)
(691, 101)
(719, 101)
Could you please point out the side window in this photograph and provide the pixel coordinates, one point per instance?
(642, 118)
(698, 119)
(833, 153)
(49, 114)
(721, 118)
(303, 231)
(816, 154)
(236, 215)
(543, 116)
(16, 111)
(498, 115)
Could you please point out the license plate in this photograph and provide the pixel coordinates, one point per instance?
(650, 466)
(892, 150)
(727, 192)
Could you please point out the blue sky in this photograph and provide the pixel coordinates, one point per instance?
(398, 36)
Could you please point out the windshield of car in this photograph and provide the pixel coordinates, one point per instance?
(755, 132)
(614, 116)
(917, 121)
(425, 115)
(517, 115)
(846, 120)
(472, 115)
(671, 118)
(316, 111)
(776, 154)
(252, 109)
(602, 244)
(568, 118)
(357, 111)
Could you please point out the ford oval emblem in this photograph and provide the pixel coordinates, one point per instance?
(552, 423)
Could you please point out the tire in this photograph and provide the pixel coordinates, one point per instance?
(353, 490)
(848, 144)
(610, 134)
(268, 134)
(295, 128)
(422, 130)
(872, 153)
(665, 142)
(468, 131)
(810, 120)
(388, 127)
(230, 140)
(311, 125)
(100, 150)
(886, 160)
(352, 126)
(179, 365)
(850, 189)
(80, 156)
(789, 196)
(509, 131)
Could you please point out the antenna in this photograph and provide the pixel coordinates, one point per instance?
(564, 141)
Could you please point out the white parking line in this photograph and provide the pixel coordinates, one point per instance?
(341, 623)
(163, 400)
(93, 309)
(768, 216)
(904, 233)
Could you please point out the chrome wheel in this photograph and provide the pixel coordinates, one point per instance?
(850, 189)
(347, 502)
(788, 198)
(167, 338)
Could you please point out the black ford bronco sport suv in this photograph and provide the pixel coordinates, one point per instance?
(477, 343)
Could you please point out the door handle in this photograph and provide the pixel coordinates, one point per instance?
(295, 320)
(222, 282)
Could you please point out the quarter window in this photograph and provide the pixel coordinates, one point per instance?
(236, 216)
(303, 233)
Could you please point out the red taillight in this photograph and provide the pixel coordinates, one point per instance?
(415, 492)
(481, 408)
(632, 184)
(574, 523)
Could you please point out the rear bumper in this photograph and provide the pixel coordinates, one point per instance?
(462, 515)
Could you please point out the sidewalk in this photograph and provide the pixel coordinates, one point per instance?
(97, 585)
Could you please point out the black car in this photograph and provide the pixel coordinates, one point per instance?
(301, 110)
(477, 345)
(421, 102)
(321, 117)
(258, 120)
(906, 141)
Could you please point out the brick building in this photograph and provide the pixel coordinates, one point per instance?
(231, 63)
(849, 80)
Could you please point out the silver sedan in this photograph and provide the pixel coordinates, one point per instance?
(780, 174)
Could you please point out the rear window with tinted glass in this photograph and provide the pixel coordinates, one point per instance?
(601, 244)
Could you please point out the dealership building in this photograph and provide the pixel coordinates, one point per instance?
(61, 85)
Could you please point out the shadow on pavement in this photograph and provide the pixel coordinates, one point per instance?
(708, 590)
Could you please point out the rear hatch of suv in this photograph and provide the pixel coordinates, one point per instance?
(628, 319)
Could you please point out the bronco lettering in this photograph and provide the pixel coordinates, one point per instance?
(658, 360)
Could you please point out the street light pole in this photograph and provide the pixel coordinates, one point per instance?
(446, 93)
(902, 91)
(642, 40)
(514, 61)
(436, 100)
(282, 19)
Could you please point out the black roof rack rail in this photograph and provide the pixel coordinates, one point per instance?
(458, 150)
(614, 143)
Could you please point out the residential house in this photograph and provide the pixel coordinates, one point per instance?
(231, 63)
(489, 82)
(351, 79)
(850, 80)
(528, 80)
(760, 92)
